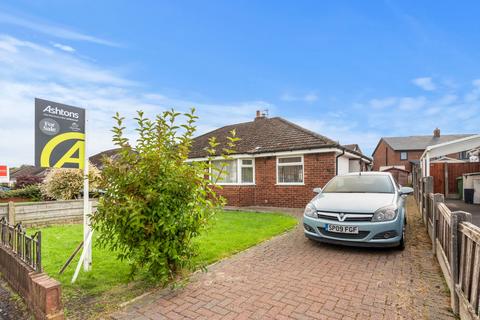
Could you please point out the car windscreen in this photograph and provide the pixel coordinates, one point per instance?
(360, 184)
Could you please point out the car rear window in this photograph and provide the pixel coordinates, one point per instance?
(360, 184)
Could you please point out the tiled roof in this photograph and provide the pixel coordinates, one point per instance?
(420, 142)
(97, 159)
(353, 147)
(27, 170)
(263, 135)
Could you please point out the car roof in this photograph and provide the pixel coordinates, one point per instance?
(367, 173)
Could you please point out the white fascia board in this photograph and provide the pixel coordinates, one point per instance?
(287, 153)
(356, 156)
(272, 154)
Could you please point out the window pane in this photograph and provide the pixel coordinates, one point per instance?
(229, 172)
(290, 174)
(247, 175)
(290, 160)
(247, 162)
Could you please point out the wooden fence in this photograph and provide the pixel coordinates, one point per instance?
(445, 176)
(456, 244)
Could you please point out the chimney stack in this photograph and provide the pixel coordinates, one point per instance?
(260, 115)
(436, 133)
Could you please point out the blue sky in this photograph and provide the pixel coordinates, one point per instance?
(351, 70)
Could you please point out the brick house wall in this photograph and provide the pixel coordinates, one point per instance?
(319, 168)
(385, 156)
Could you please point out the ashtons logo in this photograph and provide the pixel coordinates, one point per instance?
(61, 112)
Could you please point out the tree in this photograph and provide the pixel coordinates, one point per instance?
(66, 184)
(27, 180)
(156, 202)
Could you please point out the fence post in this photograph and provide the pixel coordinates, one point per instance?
(437, 199)
(38, 252)
(426, 198)
(11, 213)
(455, 248)
(420, 196)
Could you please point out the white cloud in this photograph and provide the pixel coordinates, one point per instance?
(308, 97)
(425, 83)
(64, 47)
(51, 30)
(411, 104)
(28, 70)
(383, 102)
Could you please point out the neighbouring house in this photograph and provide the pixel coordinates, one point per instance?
(404, 152)
(278, 163)
(25, 171)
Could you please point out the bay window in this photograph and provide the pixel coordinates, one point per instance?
(290, 170)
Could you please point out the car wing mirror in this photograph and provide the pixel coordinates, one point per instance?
(406, 190)
(317, 190)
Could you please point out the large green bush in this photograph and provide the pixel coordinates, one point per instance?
(156, 202)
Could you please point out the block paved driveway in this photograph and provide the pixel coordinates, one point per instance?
(292, 277)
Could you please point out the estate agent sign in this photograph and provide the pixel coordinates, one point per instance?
(59, 135)
(4, 174)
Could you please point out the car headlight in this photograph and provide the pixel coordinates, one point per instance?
(385, 214)
(310, 211)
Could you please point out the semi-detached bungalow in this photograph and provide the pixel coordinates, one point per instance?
(278, 163)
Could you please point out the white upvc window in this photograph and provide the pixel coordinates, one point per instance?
(290, 170)
(236, 171)
(247, 173)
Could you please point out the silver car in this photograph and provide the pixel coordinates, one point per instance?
(358, 209)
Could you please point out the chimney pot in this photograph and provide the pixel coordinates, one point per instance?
(436, 133)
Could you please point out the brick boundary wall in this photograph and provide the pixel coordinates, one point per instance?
(41, 293)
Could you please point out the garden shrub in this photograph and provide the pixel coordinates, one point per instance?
(67, 184)
(155, 202)
(27, 180)
(31, 192)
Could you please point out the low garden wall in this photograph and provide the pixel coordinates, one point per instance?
(44, 213)
(41, 293)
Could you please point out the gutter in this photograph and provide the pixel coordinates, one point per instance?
(336, 161)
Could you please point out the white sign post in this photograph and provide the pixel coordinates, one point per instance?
(87, 246)
(86, 256)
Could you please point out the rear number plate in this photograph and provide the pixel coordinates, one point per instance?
(341, 229)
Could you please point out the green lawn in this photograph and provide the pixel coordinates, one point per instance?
(108, 283)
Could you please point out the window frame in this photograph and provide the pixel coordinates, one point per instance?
(278, 164)
(406, 155)
(240, 165)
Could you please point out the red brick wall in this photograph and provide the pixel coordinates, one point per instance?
(41, 293)
(385, 156)
(319, 168)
